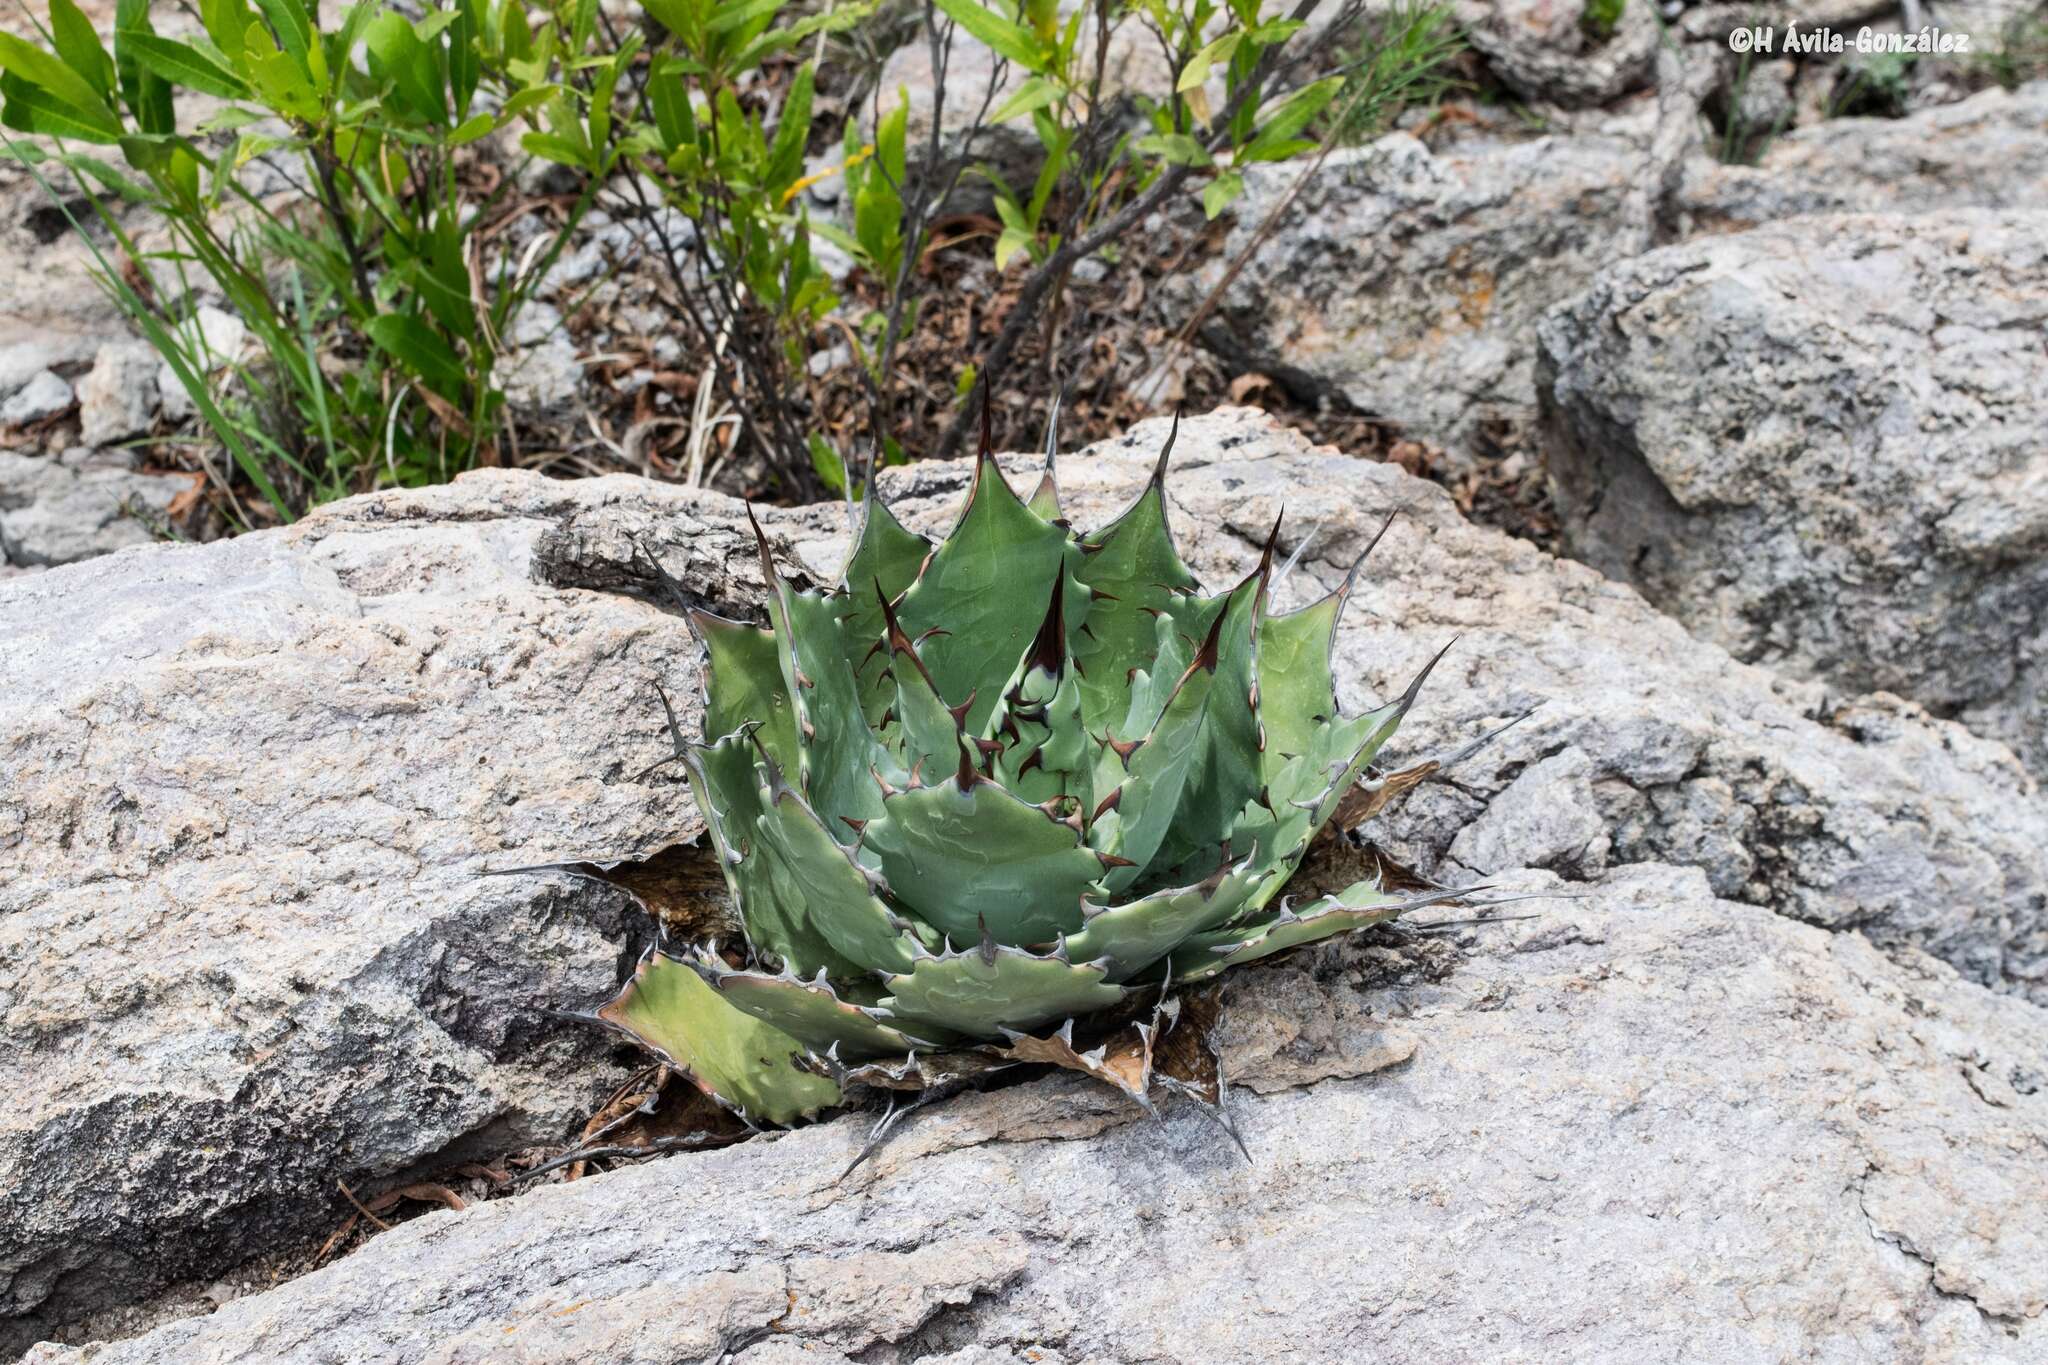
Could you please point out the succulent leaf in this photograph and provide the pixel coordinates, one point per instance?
(972, 860)
(748, 1064)
(1297, 695)
(840, 751)
(802, 896)
(1135, 576)
(745, 685)
(981, 993)
(1356, 907)
(1125, 939)
(968, 593)
(885, 560)
(814, 1014)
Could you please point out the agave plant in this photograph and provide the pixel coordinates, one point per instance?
(983, 788)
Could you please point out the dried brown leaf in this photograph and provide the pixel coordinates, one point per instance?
(1367, 800)
(681, 886)
(1184, 1056)
(1123, 1060)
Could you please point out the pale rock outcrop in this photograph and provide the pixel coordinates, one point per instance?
(1649, 1125)
(1820, 444)
(250, 947)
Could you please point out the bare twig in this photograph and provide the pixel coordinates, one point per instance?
(1055, 267)
(362, 1208)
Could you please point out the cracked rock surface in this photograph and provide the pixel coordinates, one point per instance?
(1651, 1125)
(247, 950)
(1819, 443)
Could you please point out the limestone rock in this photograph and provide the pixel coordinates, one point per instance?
(247, 943)
(1541, 50)
(44, 395)
(1818, 443)
(1988, 151)
(56, 511)
(118, 398)
(1650, 1125)
(250, 950)
(1408, 284)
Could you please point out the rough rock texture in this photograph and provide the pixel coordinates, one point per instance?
(1408, 284)
(1540, 50)
(118, 398)
(240, 845)
(244, 941)
(1988, 151)
(61, 510)
(1820, 443)
(44, 395)
(1649, 1125)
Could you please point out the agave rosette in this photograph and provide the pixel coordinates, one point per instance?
(985, 787)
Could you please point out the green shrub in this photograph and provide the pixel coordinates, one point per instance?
(382, 318)
(377, 273)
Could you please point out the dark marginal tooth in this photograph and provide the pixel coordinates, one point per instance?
(1048, 651)
(1351, 574)
(761, 544)
(1165, 451)
(988, 942)
(1415, 688)
(959, 712)
(1272, 540)
(1210, 653)
(1111, 860)
(1107, 804)
(675, 731)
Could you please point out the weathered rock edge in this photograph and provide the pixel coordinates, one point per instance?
(342, 725)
